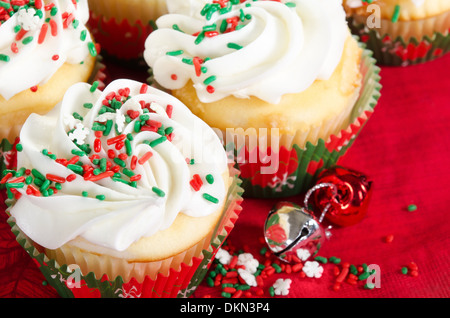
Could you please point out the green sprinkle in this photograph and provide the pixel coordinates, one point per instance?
(290, 4)
(404, 270)
(92, 49)
(210, 282)
(369, 286)
(210, 198)
(192, 161)
(175, 53)
(75, 23)
(128, 147)
(200, 38)
(396, 13)
(77, 116)
(277, 267)
(101, 197)
(5, 5)
(226, 295)
(321, 259)
(98, 127)
(77, 152)
(223, 26)
(37, 174)
(45, 185)
(235, 46)
(4, 58)
(412, 207)
(158, 191)
(19, 147)
(88, 105)
(83, 35)
(15, 185)
(209, 80)
(353, 269)
(209, 178)
(94, 86)
(187, 61)
(158, 141)
(334, 260)
(17, 28)
(364, 275)
(272, 291)
(53, 11)
(120, 162)
(176, 27)
(108, 127)
(75, 168)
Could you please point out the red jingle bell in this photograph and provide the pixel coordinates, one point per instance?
(347, 198)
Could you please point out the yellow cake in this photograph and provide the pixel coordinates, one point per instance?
(46, 48)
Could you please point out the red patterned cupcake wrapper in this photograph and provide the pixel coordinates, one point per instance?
(398, 51)
(298, 166)
(69, 282)
(123, 40)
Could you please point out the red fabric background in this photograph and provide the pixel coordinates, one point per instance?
(404, 149)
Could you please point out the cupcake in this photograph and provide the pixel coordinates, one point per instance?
(121, 26)
(44, 49)
(284, 84)
(401, 32)
(125, 186)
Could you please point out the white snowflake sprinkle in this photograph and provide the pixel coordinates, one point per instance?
(223, 256)
(70, 121)
(303, 254)
(312, 269)
(27, 19)
(251, 264)
(120, 121)
(79, 134)
(281, 286)
(249, 278)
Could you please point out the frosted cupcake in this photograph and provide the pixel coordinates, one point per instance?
(44, 49)
(402, 32)
(284, 84)
(125, 185)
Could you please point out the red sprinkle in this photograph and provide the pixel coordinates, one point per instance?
(71, 177)
(145, 157)
(55, 178)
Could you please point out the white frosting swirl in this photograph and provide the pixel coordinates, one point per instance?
(35, 42)
(276, 48)
(111, 212)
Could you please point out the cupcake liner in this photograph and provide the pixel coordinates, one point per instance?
(298, 164)
(124, 40)
(175, 279)
(405, 43)
(9, 136)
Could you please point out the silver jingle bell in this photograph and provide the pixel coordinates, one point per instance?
(289, 228)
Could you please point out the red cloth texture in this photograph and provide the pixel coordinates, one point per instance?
(404, 148)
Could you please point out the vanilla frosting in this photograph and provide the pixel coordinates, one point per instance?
(114, 166)
(38, 38)
(255, 48)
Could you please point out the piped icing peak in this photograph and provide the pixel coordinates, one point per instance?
(37, 37)
(114, 166)
(248, 48)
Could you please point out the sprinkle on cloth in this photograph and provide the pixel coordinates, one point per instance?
(30, 13)
(239, 274)
(119, 163)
